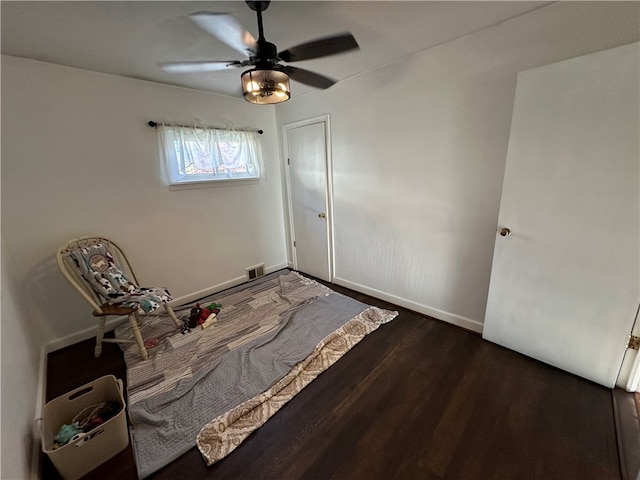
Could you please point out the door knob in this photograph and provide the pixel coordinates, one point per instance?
(505, 232)
(322, 215)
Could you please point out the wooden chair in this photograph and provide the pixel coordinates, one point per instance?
(100, 270)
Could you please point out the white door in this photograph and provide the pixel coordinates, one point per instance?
(309, 197)
(565, 283)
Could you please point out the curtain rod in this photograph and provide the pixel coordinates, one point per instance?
(153, 124)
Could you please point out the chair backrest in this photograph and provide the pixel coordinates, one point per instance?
(97, 267)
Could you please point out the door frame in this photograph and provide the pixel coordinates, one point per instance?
(328, 172)
(629, 373)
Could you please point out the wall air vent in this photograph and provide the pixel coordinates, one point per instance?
(256, 271)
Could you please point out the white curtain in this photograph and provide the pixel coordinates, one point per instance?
(194, 154)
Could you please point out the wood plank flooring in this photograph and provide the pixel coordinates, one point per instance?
(416, 399)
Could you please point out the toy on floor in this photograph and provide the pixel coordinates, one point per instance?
(184, 328)
(199, 315)
(209, 321)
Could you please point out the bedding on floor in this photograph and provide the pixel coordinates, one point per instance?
(213, 387)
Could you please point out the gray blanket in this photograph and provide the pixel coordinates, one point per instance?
(165, 425)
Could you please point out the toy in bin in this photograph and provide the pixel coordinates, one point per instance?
(85, 427)
(83, 423)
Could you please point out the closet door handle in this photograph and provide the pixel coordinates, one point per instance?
(505, 232)
(322, 215)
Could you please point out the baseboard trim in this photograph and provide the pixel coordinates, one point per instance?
(112, 323)
(460, 321)
(205, 292)
(627, 422)
(81, 335)
(36, 429)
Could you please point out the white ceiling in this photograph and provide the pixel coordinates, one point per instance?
(130, 38)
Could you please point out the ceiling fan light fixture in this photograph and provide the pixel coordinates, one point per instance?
(264, 87)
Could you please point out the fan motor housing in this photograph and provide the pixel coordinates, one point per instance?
(266, 55)
(258, 6)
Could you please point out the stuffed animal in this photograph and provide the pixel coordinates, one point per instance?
(195, 316)
(200, 314)
(66, 434)
(205, 312)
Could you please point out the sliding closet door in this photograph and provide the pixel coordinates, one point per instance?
(565, 280)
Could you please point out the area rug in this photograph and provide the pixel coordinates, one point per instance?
(214, 387)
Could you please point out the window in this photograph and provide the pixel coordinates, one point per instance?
(198, 155)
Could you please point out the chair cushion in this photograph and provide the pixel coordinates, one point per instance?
(147, 298)
(97, 266)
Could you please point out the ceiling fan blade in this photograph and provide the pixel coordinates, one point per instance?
(227, 29)
(198, 66)
(307, 77)
(320, 48)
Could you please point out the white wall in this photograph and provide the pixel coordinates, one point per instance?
(20, 350)
(78, 158)
(419, 149)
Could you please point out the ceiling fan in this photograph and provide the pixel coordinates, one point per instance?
(268, 81)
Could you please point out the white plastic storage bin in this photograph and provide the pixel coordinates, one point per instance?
(79, 457)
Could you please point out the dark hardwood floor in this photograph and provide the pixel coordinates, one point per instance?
(416, 399)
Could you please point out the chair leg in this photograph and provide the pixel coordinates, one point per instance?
(134, 321)
(170, 312)
(99, 336)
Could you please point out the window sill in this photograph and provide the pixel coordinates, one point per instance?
(214, 183)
